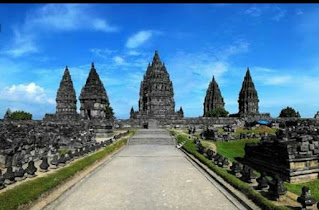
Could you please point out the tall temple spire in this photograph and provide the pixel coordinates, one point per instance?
(93, 97)
(180, 112)
(66, 98)
(156, 92)
(213, 98)
(248, 97)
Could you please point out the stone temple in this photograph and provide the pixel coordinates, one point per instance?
(156, 94)
(93, 98)
(213, 97)
(65, 100)
(66, 97)
(248, 97)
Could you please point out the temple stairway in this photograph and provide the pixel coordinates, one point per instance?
(152, 136)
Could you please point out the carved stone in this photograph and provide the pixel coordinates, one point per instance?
(31, 169)
(248, 97)
(213, 98)
(94, 100)
(44, 164)
(9, 176)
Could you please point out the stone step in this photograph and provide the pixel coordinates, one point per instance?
(152, 137)
(154, 141)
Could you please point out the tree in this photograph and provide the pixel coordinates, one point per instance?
(109, 111)
(217, 112)
(289, 112)
(20, 115)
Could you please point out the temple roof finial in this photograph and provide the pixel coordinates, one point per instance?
(156, 58)
(248, 72)
(92, 65)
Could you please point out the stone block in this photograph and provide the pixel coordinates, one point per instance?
(316, 151)
(304, 148)
(311, 146)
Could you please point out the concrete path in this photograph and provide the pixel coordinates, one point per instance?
(147, 176)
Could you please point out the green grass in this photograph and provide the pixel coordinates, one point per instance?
(31, 190)
(63, 151)
(313, 186)
(220, 130)
(252, 194)
(260, 129)
(233, 149)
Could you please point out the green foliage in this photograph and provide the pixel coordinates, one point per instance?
(109, 111)
(233, 149)
(33, 189)
(252, 194)
(217, 112)
(63, 151)
(19, 115)
(289, 112)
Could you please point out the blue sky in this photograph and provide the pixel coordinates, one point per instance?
(278, 42)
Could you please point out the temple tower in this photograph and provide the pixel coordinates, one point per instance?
(213, 98)
(66, 97)
(248, 98)
(94, 100)
(156, 93)
(180, 112)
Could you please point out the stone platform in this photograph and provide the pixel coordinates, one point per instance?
(152, 136)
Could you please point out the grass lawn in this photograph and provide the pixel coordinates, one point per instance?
(260, 129)
(313, 186)
(233, 149)
(209, 144)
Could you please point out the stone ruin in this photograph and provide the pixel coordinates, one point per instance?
(22, 142)
(274, 188)
(293, 153)
(227, 135)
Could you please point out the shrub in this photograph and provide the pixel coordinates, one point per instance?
(217, 112)
(109, 111)
(289, 112)
(20, 115)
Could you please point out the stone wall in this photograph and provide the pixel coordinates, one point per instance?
(200, 122)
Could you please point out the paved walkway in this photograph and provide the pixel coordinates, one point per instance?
(146, 176)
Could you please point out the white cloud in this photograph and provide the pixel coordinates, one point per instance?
(263, 69)
(21, 45)
(279, 13)
(133, 53)
(53, 18)
(138, 39)
(277, 80)
(240, 46)
(299, 12)
(275, 12)
(118, 60)
(253, 11)
(65, 17)
(26, 93)
(103, 53)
